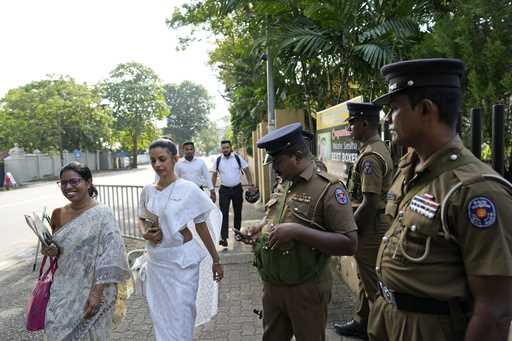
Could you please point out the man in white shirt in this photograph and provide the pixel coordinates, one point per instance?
(230, 167)
(194, 169)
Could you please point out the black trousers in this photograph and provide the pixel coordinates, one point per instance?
(227, 194)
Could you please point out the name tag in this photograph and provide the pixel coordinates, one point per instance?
(301, 197)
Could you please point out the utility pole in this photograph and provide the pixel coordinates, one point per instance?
(271, 114)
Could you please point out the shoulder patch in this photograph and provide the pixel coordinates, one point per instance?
(367, 164)
(482, 212)
(341, 196)
(367, 167)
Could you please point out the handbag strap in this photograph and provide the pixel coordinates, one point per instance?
(53, 264)
(43, 262)
(52, 268)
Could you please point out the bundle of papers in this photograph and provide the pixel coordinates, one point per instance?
(150, 219)
(148, 215)
(38, 227)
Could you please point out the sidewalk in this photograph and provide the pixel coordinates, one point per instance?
(239, 294)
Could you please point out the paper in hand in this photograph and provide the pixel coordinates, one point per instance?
(150, 219)
(148, 215)
(40, 230)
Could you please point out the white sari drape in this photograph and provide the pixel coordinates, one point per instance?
(92, 252)
(177, 277)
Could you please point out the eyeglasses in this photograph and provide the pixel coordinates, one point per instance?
(74, 182)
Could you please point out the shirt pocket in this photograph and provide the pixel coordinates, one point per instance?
(418, 232)
(419, 225)
(300, 209)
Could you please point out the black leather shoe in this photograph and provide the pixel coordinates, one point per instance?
(351, 328)
(223, 242)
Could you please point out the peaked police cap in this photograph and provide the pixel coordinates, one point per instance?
(363, 110)
(421, 73)
(280, 139)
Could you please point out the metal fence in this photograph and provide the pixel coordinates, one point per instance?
(124, 201)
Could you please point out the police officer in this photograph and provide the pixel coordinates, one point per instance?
(369, 182)
(307, 221)
(445, 264)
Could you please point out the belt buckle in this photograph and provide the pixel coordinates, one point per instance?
(387, 294)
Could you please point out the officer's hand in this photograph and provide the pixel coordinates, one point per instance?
(213, 196)
(253, 232)
(281, 233)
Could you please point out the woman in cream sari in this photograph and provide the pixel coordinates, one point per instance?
(181, 225)
(91, 262)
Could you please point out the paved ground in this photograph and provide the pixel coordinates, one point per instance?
(240, 294)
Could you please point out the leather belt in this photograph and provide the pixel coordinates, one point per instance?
(415, 304)
(236, 186)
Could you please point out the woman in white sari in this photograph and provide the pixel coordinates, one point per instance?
(91, 262)
(181, 226)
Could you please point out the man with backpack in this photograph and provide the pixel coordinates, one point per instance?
(230, 166)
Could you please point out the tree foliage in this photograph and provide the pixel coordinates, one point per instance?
(190, 106)
(480, 33)
(136, 97)
(54, 114)
(207, 140)
(323, 52)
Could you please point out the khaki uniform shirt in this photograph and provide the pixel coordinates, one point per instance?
(315, 199)
(373, 171)
(479, 219)
(331, 211)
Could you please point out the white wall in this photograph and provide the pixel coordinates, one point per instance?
(143, 159)
(29, 167)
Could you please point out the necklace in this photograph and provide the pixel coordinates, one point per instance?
(162, 187)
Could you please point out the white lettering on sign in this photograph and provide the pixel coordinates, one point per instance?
(344, 157)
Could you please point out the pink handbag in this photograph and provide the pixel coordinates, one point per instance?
(36, 305)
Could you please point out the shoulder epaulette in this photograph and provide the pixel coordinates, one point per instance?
(468, 178)
(329, 177)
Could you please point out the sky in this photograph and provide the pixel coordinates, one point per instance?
(86, 39)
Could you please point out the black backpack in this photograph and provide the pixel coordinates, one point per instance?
(237, 161)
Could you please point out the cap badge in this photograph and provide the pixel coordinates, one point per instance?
(410, 82)
(393, 86)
